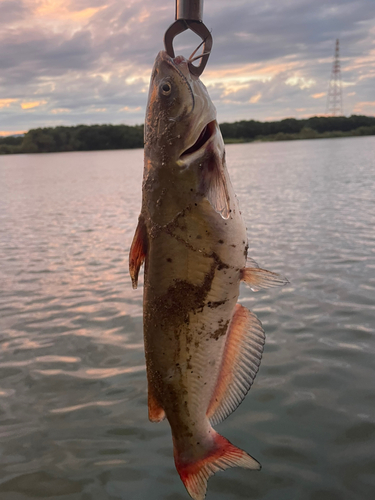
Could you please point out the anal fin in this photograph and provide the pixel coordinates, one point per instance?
(257, 278)
(241, 360)
(138, 251)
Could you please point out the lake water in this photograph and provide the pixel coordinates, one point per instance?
(73, 402)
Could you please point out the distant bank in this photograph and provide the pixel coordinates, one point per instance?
(104, 137)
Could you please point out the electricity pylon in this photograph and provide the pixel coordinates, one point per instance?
(334, 97)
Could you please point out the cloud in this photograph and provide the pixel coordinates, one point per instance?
(90, 61)
(63, 10)
(12, 11)
(300, 82)
(33, 104)
(5, 103)
(367, 107)
(255, 98)
(5, 133)
(58, 111)
(129, 109)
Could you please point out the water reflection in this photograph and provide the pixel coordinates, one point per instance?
(73, 396)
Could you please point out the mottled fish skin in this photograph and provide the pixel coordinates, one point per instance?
(193, 242)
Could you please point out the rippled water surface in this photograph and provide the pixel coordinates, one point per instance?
(73, 401)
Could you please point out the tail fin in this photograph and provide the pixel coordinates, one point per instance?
(221, 456)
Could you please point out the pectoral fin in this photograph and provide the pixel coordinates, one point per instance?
(257, 278)
(240, 364)
(155, 411)
(138, 251)
(214, 185)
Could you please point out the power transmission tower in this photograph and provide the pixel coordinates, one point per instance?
(334, 96)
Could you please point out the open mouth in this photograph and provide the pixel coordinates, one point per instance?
(204, 136)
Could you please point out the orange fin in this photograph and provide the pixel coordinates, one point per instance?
(138, 251)
(257, 278)
(155, 411)
(241, 360)
(214, 184)
(221, 455)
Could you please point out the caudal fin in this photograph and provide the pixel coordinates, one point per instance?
(221, 456)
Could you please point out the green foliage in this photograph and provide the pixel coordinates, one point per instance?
(290, 128)
(99, 137)
(10, 144)
(78, 138)
(11, 140)
(308, 133)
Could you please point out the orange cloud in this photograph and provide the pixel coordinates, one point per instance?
(318, 96)
(362, 107)
(248, 72)
(233, 87)
(5, 103)
(33, 104)
(255, 98)
(131, 109)
(359, 61)
(5, 133)
(143, 15)
(64, 10)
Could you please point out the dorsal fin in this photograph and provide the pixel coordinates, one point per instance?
(241, 360)
(138, 251)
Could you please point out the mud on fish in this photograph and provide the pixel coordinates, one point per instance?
(202, 348)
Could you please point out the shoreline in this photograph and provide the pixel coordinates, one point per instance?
(108, 137)
(299, 137)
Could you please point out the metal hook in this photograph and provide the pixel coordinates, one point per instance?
(189, 16)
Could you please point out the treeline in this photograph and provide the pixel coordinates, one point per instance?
(291, 128)
(78, 138)
(100, 137)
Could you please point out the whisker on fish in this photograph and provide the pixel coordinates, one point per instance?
(198, 57)
(195, 51)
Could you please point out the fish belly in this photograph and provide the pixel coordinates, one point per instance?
(191, 288)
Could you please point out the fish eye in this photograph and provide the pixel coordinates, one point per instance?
(166, 88)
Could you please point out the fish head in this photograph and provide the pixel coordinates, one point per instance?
(179, 109)
(183, 145)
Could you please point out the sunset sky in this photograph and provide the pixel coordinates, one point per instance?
(89, 61)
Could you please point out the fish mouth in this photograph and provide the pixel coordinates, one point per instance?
(207, 132)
